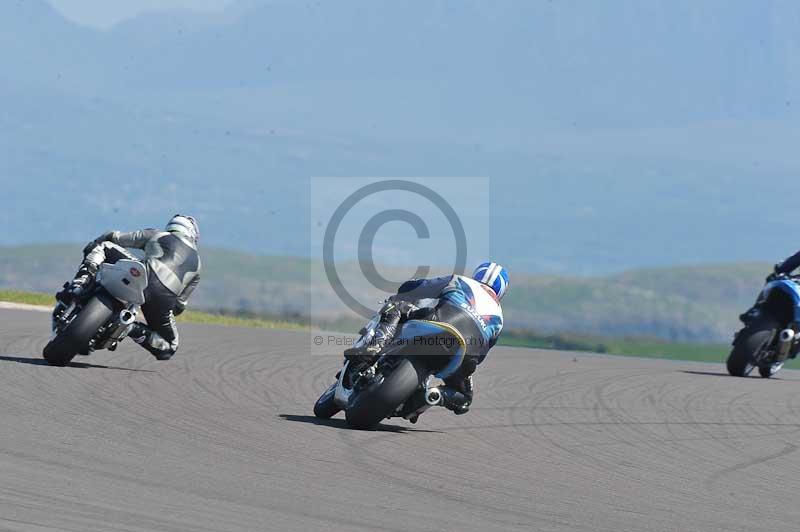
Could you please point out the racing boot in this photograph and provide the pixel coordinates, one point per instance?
(74, 288)
(458, 398)
(369, 353)
(384, 333)
(150, 340)
(138, 332)
(364, 355)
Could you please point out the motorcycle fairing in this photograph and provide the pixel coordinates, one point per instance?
(410, 330)
(126, 280)
(422, 328)
(341, 394)
(788, 287)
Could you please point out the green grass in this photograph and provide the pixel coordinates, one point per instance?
(676, 351)
(627, 346)
(190, 316)
(697, 303)
(28, 298)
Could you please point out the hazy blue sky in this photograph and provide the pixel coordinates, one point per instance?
(105, 13)
(617, 134)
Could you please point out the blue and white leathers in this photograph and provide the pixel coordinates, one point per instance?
(475, 299)
(479, 301)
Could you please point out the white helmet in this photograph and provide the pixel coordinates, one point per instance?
(185, 225)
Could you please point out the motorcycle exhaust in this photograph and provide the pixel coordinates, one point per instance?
(433, 397)
(785, 341)
(124, 322)
(127, 317)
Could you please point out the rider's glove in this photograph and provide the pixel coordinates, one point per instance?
(398, 307)
(406, 309)
(178, 310)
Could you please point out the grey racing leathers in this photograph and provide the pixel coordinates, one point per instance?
(173, 266)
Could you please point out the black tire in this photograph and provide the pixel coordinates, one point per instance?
(751, 340)
(75, 338)
(325, 408)
(378, 401)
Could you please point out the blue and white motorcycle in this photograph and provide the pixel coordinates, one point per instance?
(402, 381)
(771, 330)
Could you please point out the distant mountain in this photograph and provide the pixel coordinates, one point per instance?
(693, 303)
(617, 135)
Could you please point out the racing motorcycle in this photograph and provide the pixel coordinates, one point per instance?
(771, 330)
(401, 382)
(100, 316)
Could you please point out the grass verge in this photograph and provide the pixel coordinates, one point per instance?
(627, 346)
(212, 318)
(27, 298)
(190, 316)
(638, 347)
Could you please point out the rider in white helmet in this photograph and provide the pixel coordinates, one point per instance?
(173, 266)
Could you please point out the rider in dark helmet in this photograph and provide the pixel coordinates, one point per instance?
(173, 266)
(470, 305)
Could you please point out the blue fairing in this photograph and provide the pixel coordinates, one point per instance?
(788, 287)
(419, 329)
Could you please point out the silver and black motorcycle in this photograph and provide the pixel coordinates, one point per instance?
(771, 332)
(101, 316)
(401, 382)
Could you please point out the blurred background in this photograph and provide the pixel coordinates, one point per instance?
(643, 155)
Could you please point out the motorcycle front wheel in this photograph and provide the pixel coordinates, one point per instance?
(325, 407)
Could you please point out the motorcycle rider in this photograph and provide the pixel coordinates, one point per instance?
(173, 266)
(471, 305)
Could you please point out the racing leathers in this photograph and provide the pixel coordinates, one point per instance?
(469, 306)
(173, 272)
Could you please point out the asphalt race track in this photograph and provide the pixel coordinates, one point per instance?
(222, 438)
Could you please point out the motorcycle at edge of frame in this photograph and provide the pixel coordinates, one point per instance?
(771, 332)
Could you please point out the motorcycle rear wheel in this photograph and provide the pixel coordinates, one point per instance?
(750, 342)
(377, 402)
(75, 337)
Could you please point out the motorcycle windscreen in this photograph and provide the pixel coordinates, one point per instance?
(433, 338)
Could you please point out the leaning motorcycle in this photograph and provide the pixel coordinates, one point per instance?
(770, 333)
(101, 316)
(401, 382)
